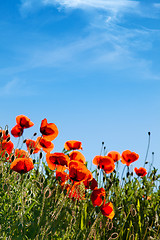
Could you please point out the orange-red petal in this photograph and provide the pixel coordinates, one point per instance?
(72, 144)
(22, 165)
(48, 130)
(24, 121)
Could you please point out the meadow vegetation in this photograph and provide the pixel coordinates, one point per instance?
(53, 195)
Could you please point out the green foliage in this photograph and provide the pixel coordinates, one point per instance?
(34, 206)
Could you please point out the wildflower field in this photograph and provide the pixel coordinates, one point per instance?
(53, 195)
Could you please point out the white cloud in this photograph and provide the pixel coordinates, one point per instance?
(114, 6)
(16, 87)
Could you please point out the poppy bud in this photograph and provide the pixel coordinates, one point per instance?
(42, 180)
(34, 161)
(1, 134)
(40, 155)
(8, 139)
(34, 134)
(146, 162)
(128, 174)
(24, 140)
(102, 143)
(149, 133)
(37, 172)
(131, 173)
(31, 151)
(6, 132)
(12, 158)
(6, 155)
(104, 179)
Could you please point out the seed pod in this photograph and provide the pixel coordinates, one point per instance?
(40, 155)
(6, 132)
(12, 158)
(8, 139)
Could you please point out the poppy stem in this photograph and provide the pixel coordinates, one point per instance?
(123, 172)
(149, 134)
(22, 203)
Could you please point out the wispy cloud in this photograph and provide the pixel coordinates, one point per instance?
(16, 87)
(114, 6)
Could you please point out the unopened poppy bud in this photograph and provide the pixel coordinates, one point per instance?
(154, 178)
(98, 167)
(6, 155)
(114, 171)
(40, 155)
(146, 162)
(34, 161)
(1, 134)
(131, 173)
(123, 178)
(102, 143)
(28, 177)
(24, 140)
(8, 139)
(104, 148)
(34, 134)
(12, 158)
(128, 174)
(65, 191)
(149, 133)
(36, 172)
(6, 132)
(104, 179)
(31, 151)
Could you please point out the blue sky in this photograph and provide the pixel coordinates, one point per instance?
(91, 67)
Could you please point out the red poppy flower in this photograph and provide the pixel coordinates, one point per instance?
(107, 210)
(57, 159)
(24, 122)
(6, 147)
(114, 155)
(17, 131)
(78, 172)
(31, 144)
(91, 184)
(107, 164)
(77, 156)
(129, 157)
(20, 153)
(48, 130)
(97, 159)
(72, 144)
(141, 172)
(47, 146)
(98, 196)
(22, 165)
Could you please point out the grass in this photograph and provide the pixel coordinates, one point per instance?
(34, 205)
